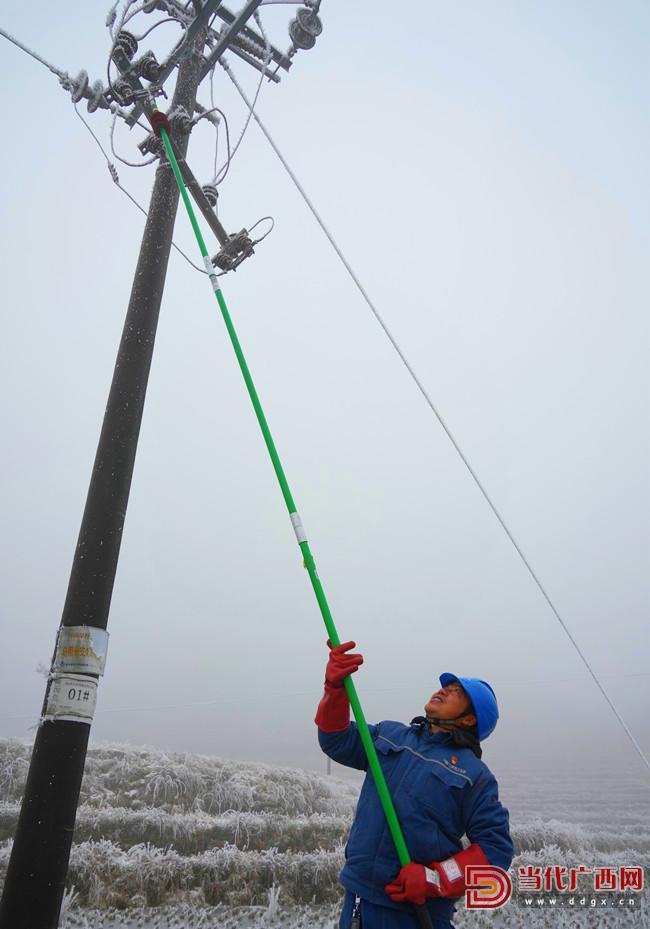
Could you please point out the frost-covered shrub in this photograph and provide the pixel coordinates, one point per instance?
(105, 875)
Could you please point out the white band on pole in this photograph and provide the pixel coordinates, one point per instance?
(212, 274)
(298, 528)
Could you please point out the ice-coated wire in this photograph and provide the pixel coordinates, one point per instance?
(130, 164)
(116, 180)
(309, 693)
(268, 231)
(500, 519)
(221, 174)
(216, 142)
(33, 54)
(170, 19)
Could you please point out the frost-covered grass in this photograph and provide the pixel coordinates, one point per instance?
(135, 778)
(190, 833)
(167, 840)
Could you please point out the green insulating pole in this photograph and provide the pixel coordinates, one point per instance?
(364, 732)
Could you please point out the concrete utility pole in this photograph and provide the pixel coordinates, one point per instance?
(35, 880)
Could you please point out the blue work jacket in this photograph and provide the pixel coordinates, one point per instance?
(441, 793)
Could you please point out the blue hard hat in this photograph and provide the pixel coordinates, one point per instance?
(483, 700)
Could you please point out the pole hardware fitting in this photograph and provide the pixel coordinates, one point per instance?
(125, 43)
(237, 249)
(151, 145)
(148, 67)
(305, 28)
(123, 92)
(211, 194)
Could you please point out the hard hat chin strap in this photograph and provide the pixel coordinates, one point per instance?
(463, 736)
(438, 721)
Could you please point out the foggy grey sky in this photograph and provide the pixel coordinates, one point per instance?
(485, 168)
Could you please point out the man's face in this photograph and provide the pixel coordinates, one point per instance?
(449, 702)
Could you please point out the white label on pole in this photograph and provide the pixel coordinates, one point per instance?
(298, 528)
(81, 650)
(73, 697)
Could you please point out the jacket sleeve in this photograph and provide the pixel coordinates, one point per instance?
(487, 821)
(346, 747)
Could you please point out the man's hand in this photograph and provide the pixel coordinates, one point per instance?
(415, 882)
(340, 664)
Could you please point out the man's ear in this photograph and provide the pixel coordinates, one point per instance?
(469, 720)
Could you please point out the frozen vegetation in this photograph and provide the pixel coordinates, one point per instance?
(167, 840)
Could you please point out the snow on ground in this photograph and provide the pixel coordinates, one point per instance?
(168, 840)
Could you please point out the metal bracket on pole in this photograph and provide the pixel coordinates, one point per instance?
(168, 66)
(202, 202)
(224, 41)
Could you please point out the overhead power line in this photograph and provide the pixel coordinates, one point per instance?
(435, 411)
(34, 55)
(225, 701)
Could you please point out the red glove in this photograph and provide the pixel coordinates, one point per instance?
(341, 665)
(415, 882)
(333, 714)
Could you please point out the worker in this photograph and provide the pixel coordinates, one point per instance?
(445, 797)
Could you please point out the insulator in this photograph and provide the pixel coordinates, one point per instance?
(181, 122)
(127, 43)
(148, 67)
(152, 145)
(124, 92)
(96, 97)
(79, 86)
(304, 29)
(211, 194)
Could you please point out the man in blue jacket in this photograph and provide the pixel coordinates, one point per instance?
(445, 797)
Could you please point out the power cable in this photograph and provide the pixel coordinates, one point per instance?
(116, 180)
(310, 693)
(170, 19)
(435, 411)
(221, 174)
(130, 164)
(216, 142)
(25, 48)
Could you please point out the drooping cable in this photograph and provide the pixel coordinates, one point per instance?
(437, 414)
(221, 174)
(116, 180)
(129, 164)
